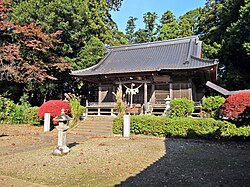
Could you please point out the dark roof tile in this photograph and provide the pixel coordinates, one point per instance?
(178, 54)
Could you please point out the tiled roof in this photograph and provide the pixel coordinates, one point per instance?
(223, 91)
(177, 54)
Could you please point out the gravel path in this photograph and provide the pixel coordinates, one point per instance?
(198, 163)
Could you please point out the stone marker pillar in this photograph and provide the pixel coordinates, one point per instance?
(126, 125)
(62, 148)
(46, 122)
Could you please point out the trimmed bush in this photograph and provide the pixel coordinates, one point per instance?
(54, 107)
(237, 107)
(181, 107)
(31, 116)
(143, 125)
(207, 128)
(212, 105)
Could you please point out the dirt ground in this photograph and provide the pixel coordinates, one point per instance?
(26, 160)
(25, 153)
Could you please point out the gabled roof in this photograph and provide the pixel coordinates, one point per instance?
(223, 91)
(176, 54)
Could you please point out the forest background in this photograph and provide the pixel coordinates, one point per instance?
(41, 41)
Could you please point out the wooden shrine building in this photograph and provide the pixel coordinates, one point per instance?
(152, 71)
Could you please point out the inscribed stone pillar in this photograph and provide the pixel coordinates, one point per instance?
(99, 94)
(126, 125)
(46, 122)
(146, 97)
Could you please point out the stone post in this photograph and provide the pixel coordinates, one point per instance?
(145, 98)
(46, 122)
(126, 125)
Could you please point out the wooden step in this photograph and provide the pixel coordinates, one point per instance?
(94, 126)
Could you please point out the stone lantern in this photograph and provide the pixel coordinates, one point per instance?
(167, 109)
(63, 120)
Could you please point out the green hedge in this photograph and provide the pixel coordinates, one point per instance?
(181, 107)
(183, 127)
(212, 105)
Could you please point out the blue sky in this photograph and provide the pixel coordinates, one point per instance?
(137, 8)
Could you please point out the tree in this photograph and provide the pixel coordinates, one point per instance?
(149, 19)
(27, 53)
(80, 20)
(27, 49)
(92, 52)
(130, 29)
(188, 23)
(85, 26)
(225, 32)
(169, 28)
(169, 31)
(141, 36)
(167, 17)
(234, 52)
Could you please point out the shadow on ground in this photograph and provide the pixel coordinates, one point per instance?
(3, 135)
(197, 163)
(70, 145)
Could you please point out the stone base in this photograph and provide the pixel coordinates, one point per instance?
(59, 150)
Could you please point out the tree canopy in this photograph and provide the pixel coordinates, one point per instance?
(223, 26)
(42, 40)
(79, 21)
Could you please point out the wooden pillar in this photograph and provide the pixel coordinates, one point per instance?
(152, 99)
(146, 97)
(171, 90)
(190, 91)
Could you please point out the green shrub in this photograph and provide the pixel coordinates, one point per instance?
(208, 128)
(31, 115)
(193, 127)
(117, 126)
(17, 115)
(7, 107)
(230, 130)
(211, 105)
(181, 107)
(142, 125)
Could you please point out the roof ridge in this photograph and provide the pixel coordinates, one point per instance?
(152, 44)
(215, 61)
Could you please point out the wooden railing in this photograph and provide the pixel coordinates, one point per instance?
(104, 108)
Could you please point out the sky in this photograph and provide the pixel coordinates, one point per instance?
(137, 8)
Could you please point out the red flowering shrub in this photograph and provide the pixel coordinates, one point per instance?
(54, 107)
(237, 106)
